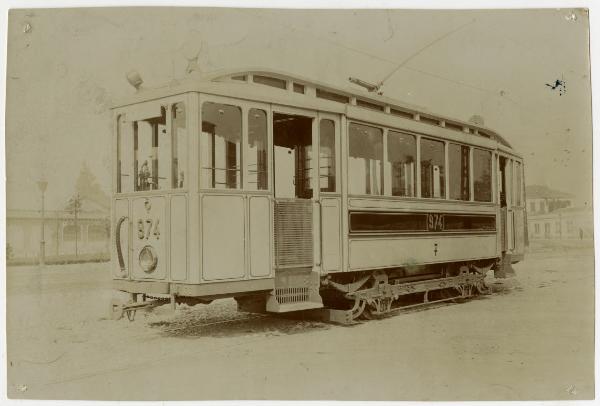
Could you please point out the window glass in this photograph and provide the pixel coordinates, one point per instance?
(401, 158)
(519, 184)
(151, 153)
(269, 81)
(258, 158)
(220, 146)
(124, 155)
(366, 157)
(458, 171)
(482, 174)
(327, 156)
(432, 169)
(179, 144)
(509, 179)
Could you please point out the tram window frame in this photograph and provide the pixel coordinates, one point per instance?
(148, 178)
(442, 170)
(260, 183)
(518, 184)
(393, 189)
(477, 189)
(460, 191)
(128, 146)
(376, 151)
(179, 146)
(328, 170)
(210, 181)
(124, 155)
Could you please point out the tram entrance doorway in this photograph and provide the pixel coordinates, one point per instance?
(292, 144)
(292, 171)
(296, 281)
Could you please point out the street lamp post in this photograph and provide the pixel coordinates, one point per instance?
(42, 185)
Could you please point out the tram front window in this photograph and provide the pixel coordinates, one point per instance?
(327, 156)
(179, 143)
(124, 155)
(151, 147)
(151, 156)
(257, 160)
(221, 146)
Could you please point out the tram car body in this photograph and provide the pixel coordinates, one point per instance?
(289, 194)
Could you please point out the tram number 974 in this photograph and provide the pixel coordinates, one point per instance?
(435, 222)
(148, 226)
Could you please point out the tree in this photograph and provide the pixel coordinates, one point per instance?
(88, 188)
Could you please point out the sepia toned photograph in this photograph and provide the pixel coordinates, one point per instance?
(299, 204)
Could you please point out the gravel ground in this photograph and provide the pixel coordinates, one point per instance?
(533, 338)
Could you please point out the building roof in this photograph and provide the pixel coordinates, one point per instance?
(54, 214)
(544, 192)
(573, 210)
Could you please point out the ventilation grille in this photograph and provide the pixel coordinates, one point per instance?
(293, 233)
(291, 295)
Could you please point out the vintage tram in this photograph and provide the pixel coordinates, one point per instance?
(290, 195)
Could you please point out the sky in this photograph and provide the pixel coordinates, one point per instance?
(65, 68)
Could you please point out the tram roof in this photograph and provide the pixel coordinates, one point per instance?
(212, 81)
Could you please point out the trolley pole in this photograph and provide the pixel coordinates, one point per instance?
(42, 185)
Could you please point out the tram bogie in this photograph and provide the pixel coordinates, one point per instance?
(290, 195)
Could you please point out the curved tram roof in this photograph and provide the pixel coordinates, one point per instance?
(271, 81)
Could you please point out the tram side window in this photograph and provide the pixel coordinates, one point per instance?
(124, 155)
(401, 159)
(482, 173)
(258, 158)
(151, 153)
(327, 156)
(221, 146)
(366, 157)
(519, 184)
(179, 144)
(432, 169)
(458, 171)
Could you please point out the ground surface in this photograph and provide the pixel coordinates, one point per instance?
(532, 339)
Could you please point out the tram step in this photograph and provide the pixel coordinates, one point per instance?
(274, 307)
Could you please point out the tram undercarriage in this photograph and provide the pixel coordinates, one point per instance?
(383, 292)
(347, 297)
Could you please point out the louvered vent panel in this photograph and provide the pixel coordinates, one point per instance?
(293, 233)
(291, 295)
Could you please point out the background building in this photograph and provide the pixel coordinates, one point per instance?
(67, 239)
(550, 215)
